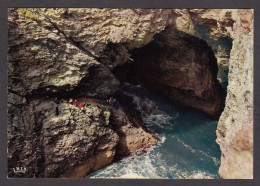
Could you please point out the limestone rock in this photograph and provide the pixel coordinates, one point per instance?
(214, 26)
(131, 136)
(94, 28)
(58, 52)
(70, 143)
(230, 34)
(237, 158)
(52, 146)
(52, 50)
(40, 57)
(235, 127)
(179, 66)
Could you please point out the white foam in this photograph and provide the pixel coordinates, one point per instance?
(132, 175)
(161, 120)
(152, 164)
(162, 139)
(198, 175)
(137, 166)
(215, 160)
(184, 144)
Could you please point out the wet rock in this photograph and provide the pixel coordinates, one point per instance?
(131, 136)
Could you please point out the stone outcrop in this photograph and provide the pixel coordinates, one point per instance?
(65, 52)
(214, 26)
(181, 67)
(70, 143)
(54, 49)
(235, 128)
(128, 124)
(51, 145)
(130, 137)
(230, 34)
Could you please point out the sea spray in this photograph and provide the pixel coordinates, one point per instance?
(186, 147)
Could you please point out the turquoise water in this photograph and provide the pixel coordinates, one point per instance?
(186, 146)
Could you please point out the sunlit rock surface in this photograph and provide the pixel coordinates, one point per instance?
(71, 52)
(235, 128)
(214, 26)
(230, 34)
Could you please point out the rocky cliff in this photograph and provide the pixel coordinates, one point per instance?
(57, 54)
(230, 34)
(179, 66)
(54, 55)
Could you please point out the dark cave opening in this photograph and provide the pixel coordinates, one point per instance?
(174, 64)
(178, 66)
(221, 47)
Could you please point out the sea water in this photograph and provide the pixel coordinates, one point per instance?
(186, 147)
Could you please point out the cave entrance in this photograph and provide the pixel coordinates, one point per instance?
(178, 66)
(182, 68)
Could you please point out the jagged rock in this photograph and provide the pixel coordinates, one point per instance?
(72, 143)
(99, 84)
(235, 127)
(230, 34)
(40, 57)
(94, 28)
(57, 52)
(179, 66)
(53, 49)
(213, 26)
(131, 135)
(53, 146)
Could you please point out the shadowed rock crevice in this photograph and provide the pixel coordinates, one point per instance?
(59, 53)
(179, 66)
(221, 47)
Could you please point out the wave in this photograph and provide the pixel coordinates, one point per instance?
(150, 112)
(157, 163)
(198, 175)
(184, 144)
(138, 166)
(214, 159)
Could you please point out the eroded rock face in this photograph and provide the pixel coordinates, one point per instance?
(72, 143)
(215, 27)
(235, 128)
(53, 49)
(127, 122)
(57, 52)
(220, 27)
(50, 145)
(61, 53)
(230, 34)
(179, 66)
(40, 57)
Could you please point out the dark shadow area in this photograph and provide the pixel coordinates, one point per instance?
(178, 66)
